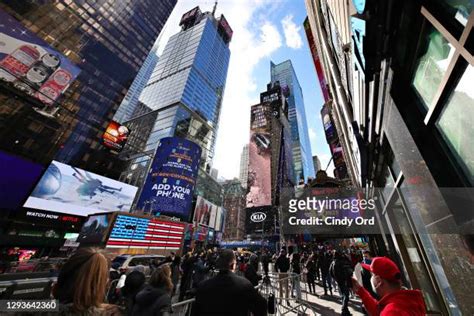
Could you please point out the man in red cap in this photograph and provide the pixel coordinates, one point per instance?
(394, 299)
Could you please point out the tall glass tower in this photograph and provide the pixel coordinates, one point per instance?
(184, 93)
(302, 156)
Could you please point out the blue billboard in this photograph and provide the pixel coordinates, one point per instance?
(169, 186)
(18, 178)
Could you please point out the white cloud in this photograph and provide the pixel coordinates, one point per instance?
(291, 31)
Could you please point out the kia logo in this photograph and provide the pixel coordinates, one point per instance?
(258, 217)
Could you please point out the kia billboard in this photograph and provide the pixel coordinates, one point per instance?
(30, 65)
(17, 180)
(66, 189)
(261, 218)
(115, 136)
(259, 188)
(169, 186)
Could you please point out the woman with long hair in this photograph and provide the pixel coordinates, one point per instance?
(155, 298)
(82, 284)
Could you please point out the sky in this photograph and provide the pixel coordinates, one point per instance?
(264, 31)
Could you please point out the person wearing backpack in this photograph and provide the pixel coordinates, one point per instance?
(341, 270)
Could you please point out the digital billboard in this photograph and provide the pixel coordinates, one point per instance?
(329, 128)
(66, 189)
(30, 65)
(18, 178)
(94, 229)
(260, 155)
(169, 186)
(258, 218)
(206, 213)
(145, 233)
(115, 136)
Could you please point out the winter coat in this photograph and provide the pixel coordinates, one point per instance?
(341, 270)
(230, 295)
(400, 303)
(152, 301)
(282, 264)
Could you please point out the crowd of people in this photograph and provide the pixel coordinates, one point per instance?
(225, 282)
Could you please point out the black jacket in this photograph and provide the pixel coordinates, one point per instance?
(230, 295)
(282, 264)
(252, 275)
(152, 301)
(341, 270)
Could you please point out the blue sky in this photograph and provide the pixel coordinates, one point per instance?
(264, 30)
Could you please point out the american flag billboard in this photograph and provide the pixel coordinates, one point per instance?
(139, 232)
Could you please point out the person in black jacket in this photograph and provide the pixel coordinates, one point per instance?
(341, 270)
(155, 298)
(282, 265)
(324, 262)
(134, 283)
(251, 271)
(227, 293)
(311, 274)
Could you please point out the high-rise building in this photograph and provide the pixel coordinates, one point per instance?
(402, 102)
(284, 73)
(234, 203)
(183, 95)
(316, 164)
(214, 173)
(108, 42)
(244, 166)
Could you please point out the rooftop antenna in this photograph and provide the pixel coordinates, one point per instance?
(214, 9)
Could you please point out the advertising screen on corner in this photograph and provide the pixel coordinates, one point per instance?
(70, 190)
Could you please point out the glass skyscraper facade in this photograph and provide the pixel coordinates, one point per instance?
(183, 95)
(108, 41)
(302, 156)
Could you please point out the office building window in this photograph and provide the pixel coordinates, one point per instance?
(455, 122)
(435, 53)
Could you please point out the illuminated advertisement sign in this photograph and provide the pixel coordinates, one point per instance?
(94, 229)
(316, 60)
(66, 189)
(226, 27)
(18, 178)
(260, 155)
(169, 187)
(29, 64)
(115, 136)
(145, 233)
(191, 14)
(207, 214)
(261, 218)
(329, 128)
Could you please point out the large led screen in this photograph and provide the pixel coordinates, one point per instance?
(18, 178)
(29, 64)
(260, 157)
(206, 213)
(169, 187)
(66, 189)
(94, 229)
(145, 233)
(115, 136)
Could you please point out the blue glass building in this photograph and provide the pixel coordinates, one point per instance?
(183, 96)
(302, 156)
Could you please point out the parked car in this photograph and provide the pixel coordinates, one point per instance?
(128, 262)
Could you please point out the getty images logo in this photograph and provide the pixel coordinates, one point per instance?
(258, 217)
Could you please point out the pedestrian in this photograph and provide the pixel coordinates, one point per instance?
(266, 262)
(187, 268)
(82, 285)
(227, 293)
(200, 270)
(394, 299)
(282, 265)
(324, 262)
(134, 283)
(311, 274)
(155, 298)
(366, 275)
(251, 271)
(296, 274)
(175, 273)
(341, 270)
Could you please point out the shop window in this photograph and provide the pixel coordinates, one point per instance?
(435, 53)
(455, 123)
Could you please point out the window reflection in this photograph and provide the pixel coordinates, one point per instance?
(435, 55)
(455, 123)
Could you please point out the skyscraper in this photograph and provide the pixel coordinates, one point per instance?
(108, 42)
(184, 93)
(302, 156)
(316, 164)
(244, 166)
